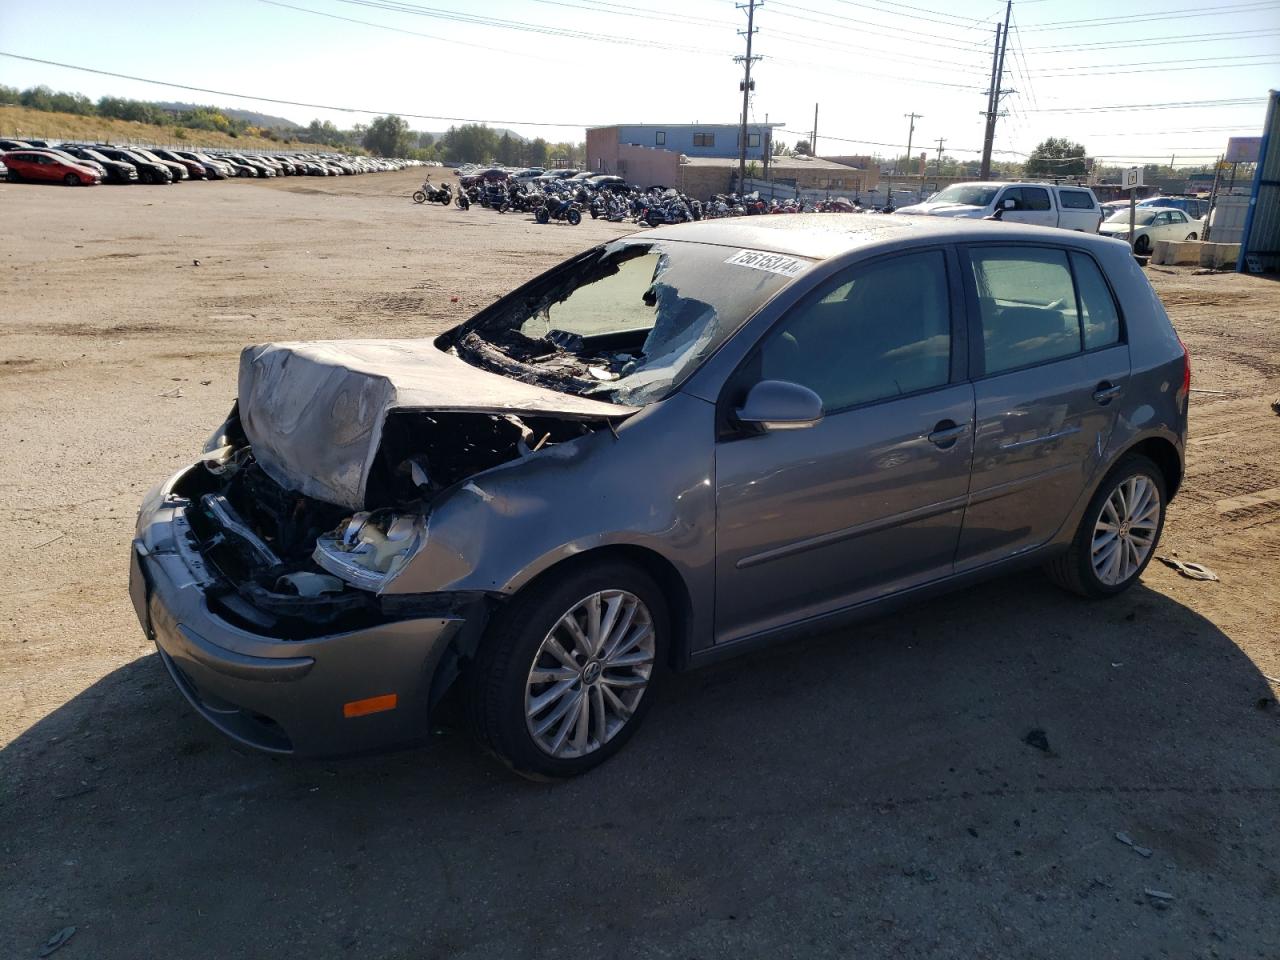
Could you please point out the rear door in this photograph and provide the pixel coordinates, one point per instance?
(1050, 360)
(1078, 209)
(869, 500)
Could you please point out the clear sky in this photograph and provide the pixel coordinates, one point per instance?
(571, 63)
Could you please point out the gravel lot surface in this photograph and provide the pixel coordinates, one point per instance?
(862, 794)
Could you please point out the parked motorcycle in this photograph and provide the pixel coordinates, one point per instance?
(442, 195)
(557, 208)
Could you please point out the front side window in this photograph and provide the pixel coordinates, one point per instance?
(1027, 304)
(874, 332)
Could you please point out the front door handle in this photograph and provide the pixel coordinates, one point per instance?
(946, 433)
(1106, 392)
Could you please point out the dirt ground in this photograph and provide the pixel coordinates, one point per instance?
(861, 794)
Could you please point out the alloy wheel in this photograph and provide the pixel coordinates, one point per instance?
(1125, 531)
(589, 674)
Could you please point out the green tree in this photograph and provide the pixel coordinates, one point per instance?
(1056, 157)
(804, 148)
(508, 150)
(535, 152)
(387, 136)
(469, 143)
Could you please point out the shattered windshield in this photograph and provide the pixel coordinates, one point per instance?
(628, 321)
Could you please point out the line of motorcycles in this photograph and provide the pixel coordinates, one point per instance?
(656, 206)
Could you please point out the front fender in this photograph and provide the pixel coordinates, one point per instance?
(650, 486)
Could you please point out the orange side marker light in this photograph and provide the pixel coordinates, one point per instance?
(360, 708)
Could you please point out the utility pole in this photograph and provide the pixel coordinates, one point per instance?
(750, 7)
(994, 94)
(813, 140)
(940, 143)
(911, 132)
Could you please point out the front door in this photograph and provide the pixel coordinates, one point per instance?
(1050, 363)
(1035, 206)
(869, 500)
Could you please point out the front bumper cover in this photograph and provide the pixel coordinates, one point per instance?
(273, 694)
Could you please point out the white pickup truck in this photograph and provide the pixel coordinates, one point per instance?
(1044, 204)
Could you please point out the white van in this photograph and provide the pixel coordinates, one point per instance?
(1044, 204)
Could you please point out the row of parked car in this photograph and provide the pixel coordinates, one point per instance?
(85, 164)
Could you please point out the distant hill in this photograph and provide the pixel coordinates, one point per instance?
(248, 116)
(19, 121)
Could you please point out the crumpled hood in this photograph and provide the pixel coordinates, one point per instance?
(314, 411)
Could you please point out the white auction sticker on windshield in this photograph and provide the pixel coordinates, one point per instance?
(771, 262)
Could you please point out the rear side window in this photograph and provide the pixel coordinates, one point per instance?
(1100, 317)
(1075, 200)
(874, 332)
(1027, 304)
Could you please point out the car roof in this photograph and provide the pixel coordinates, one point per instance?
(821, 236)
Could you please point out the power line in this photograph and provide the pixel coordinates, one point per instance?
(1167, 41)
(290, 103)
(453, 16)
(1171, 105)
(414, 33)
(1185, 13)
(859, 26)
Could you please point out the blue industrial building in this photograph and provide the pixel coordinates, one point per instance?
(690, 139)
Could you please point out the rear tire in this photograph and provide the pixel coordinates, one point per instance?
(529, 633)
(1083, 568)
(542, 216)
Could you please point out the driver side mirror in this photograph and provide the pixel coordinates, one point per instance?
(1009, 203)
(780, 405)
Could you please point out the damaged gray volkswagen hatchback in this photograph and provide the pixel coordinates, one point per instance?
(667, 450)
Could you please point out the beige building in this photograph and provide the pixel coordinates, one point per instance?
(703, 176)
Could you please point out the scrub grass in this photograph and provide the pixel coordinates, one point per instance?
(20, 122)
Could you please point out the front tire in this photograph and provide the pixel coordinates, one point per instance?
(574, 217)
(1142, 245)
(71, 180)
(542, 216)
(419, 197)
(1118, 533)
(562, 677)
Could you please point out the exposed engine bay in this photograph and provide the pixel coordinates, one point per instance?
(294, 564)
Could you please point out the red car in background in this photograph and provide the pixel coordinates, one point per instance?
(48, 166)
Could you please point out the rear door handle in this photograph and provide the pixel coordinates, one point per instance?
(946, 433)
(1106, 392)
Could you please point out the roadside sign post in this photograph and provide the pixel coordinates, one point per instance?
(1132, 181)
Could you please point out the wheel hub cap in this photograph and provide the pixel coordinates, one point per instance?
(589, 674)
(1125, 532)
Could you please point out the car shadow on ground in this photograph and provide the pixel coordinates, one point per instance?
(882, 791)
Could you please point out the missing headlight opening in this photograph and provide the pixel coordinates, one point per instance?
(288, 559)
